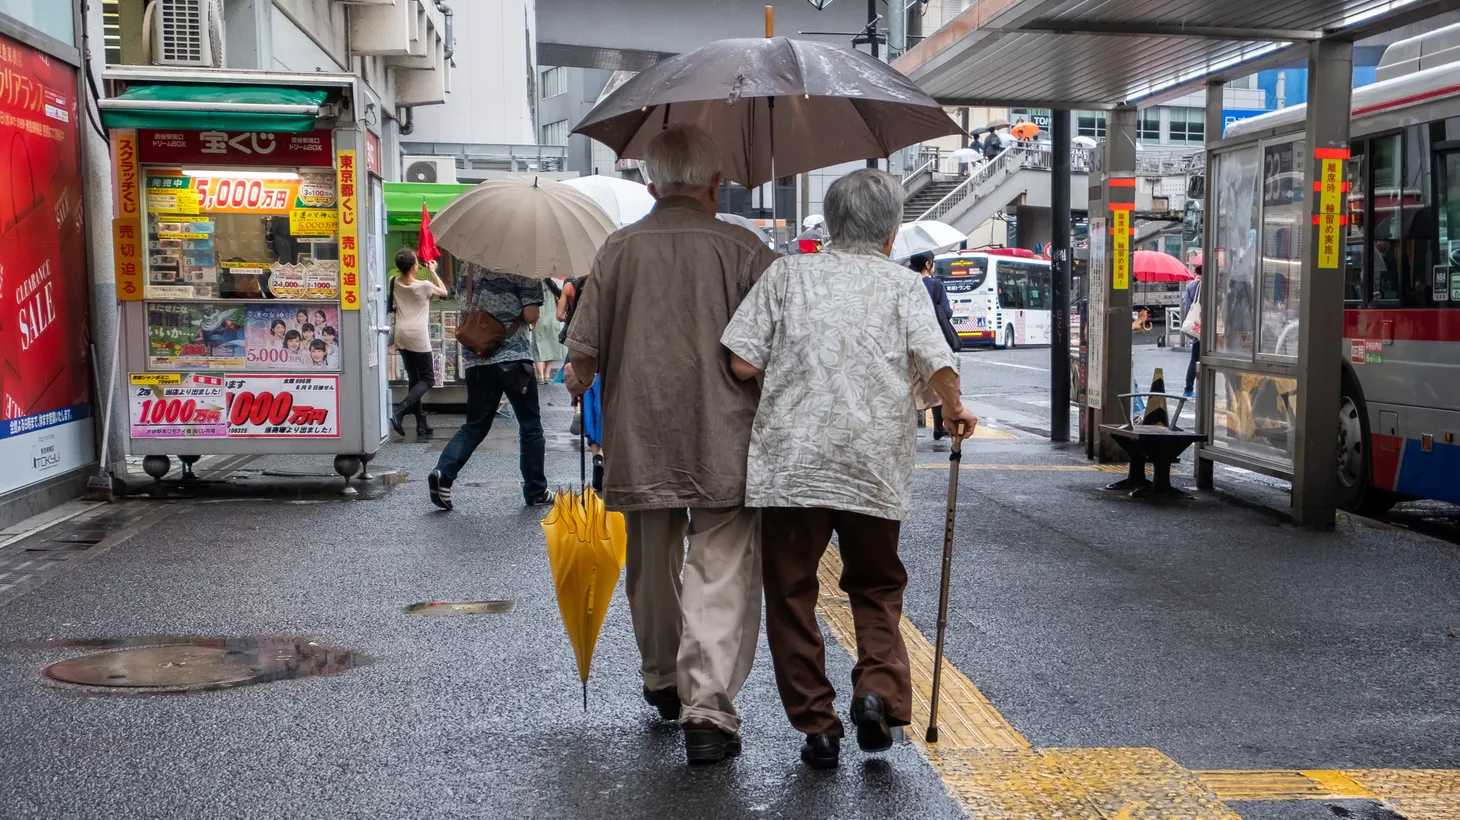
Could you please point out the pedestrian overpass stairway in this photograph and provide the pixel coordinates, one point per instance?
(928, 196)
(1015, 176)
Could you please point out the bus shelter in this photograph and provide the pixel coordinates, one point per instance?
(1273, 300)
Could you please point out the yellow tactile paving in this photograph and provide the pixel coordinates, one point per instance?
(1418, 794)
(1282, 785)
(981, 431)
(966, 719)
(992, 771)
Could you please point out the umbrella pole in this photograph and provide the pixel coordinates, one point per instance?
(954, 459)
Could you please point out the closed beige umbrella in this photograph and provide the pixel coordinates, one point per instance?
(529, 226)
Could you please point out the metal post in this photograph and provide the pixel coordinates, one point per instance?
(1059, 227)
(872, 38)
(1320, 308)
(1119, 181)
(1206, 383)
(896, 29)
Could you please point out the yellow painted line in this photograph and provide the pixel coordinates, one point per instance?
(1283, 785)
(981, 431)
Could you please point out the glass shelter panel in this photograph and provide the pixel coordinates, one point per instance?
(1236, 251)
(1285, 222)
(1255, 415)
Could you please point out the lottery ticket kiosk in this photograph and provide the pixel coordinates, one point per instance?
(248, 234)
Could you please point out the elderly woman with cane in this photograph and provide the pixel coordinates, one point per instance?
(846, 339)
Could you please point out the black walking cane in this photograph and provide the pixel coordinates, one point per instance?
(954, 459)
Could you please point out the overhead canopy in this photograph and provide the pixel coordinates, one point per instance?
(214, 108)
(403, 201)
(1080, 55)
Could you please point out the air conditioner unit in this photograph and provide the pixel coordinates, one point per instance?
(430, 169)
(187, 32)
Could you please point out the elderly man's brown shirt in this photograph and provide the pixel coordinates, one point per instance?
(676, 421)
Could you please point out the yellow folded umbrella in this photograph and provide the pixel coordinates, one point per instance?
(585, 546)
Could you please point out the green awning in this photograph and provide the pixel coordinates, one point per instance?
(403, 201)
(214, 108)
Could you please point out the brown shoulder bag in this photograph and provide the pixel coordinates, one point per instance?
(479, 331)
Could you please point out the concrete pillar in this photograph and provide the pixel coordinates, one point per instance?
(1117, 201)
(1320, 307)
(1205, 404)
(1059, 332)
(105, 324)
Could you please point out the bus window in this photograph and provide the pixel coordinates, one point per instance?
(1417, 220)
(1013, 286)
(1356, 173)
(1039, 283)
(1385, 249)
(1448, 206)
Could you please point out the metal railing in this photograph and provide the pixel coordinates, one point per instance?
(988, 175)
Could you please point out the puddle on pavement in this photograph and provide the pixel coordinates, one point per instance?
(462, 607)
(170, 665)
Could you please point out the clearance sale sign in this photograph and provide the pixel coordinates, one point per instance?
(44, 371)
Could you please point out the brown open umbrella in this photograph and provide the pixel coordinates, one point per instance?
(807, 105)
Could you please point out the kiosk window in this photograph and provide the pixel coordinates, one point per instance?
(240, 234)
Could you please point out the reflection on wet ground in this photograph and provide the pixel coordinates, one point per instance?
(170, 664)
(462, 607)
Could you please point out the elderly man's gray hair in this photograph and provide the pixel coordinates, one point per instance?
(863, 209)
(682, 159)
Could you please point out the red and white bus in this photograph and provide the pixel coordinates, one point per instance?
(1400, 410)
(999, 296)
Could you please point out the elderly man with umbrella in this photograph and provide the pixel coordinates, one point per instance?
(838, 338)
(676, 428)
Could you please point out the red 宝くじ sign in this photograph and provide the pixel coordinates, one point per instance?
(315, 148)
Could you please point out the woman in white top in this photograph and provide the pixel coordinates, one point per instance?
(412, 298)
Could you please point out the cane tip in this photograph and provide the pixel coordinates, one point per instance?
(932, 735)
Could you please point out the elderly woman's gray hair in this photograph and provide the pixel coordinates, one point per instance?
(863, 210)
(682, 159)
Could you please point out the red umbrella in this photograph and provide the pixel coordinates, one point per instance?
(1154, 266)
(426, 249)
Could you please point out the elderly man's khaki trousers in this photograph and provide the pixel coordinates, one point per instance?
(698, 634)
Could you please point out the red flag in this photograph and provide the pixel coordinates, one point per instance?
(426, 249)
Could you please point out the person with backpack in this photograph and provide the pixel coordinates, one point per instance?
(501, 307)
(992, 145)
(922, 264)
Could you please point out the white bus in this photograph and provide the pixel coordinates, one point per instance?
(1000, 296)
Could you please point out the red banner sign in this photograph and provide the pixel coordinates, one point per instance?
(372, 154)
(315, 148)
(43, 290)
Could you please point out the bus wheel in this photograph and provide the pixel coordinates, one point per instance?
(1008, 337)
(1356, 490)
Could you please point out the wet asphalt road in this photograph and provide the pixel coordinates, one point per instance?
(1212, 632)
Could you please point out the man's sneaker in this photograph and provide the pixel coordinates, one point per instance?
(440, 490)
(542, 499)
(1188, 394)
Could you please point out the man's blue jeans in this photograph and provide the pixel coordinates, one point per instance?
(485, 386)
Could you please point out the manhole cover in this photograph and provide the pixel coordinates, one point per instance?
(204, 663)
(461, 607)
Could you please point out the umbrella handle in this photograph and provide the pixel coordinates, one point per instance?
(955, 458)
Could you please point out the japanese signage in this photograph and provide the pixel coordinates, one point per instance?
(1365, 351)
(1120, 233)
(293, 337)
(1331, 191)
(313, 222)
(124, 145)
(237, 148)
(176, 194)
(372, 154)
(45, 372)
(173, 405)
(127, 244)
(311, 280)
(198, 336)
(1095, 338)
(349, 233)
(283, 406)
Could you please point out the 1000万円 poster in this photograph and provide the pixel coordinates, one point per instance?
(44, 368)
